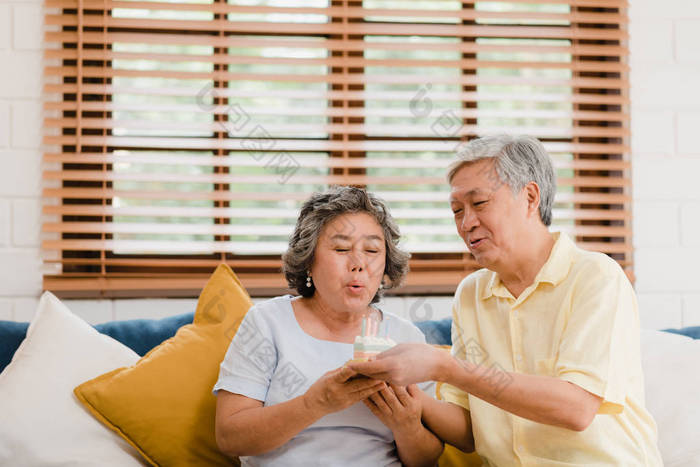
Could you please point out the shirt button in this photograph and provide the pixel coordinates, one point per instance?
(519, 357)
(515, 314)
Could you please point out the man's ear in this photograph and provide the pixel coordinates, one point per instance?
(532, 195)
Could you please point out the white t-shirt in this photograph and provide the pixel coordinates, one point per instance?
(272, 359)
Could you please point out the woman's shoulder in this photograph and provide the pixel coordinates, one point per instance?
(271, 308)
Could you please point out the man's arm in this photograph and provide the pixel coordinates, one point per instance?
(541, 399)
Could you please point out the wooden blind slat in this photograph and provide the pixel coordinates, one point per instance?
(436, 197)
(349, 12)
(332, 112)
(308, 145)
(174, 247)
(310, 161)
(599, 50)
(331, 61)
(607, 83)
(250, 27)
(87, 210)
(595, 99)
(280, 230)
(586, 181)
(357, 129)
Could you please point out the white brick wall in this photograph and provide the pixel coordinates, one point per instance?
(5, 223)
(5, 26)
(687, 129)
(659, 311)
(6, 307)
(27, 124)
(668, 9)
(20, 155)
(691, 308)
(24, 84)
(687, 38)
(690, 224)
(656, 224)
(657, 142)
(30, 17)
(4, 123)
(26, 215)
(665, 63)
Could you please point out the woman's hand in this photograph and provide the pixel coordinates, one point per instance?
(339, 389)
(400, 409)
(397, 407)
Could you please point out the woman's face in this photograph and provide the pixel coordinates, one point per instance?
(349, 262)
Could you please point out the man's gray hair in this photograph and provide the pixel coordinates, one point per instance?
(519, 160)
(319, 210)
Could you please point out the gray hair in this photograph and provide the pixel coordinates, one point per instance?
(519, 161)
(322, 208)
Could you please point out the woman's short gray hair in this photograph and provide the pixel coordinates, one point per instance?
(320, 209)
(519, 161)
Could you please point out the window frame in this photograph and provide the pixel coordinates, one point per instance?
(102, 273)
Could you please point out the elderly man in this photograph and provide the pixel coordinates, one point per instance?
(545, 366)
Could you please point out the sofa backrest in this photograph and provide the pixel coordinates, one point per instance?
(141, 335)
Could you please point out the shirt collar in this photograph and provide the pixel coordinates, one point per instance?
(553, 271)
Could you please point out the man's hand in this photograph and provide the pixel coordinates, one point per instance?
(404, 364)
(397, 407)
(339, 389)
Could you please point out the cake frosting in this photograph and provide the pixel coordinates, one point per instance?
(367, 347)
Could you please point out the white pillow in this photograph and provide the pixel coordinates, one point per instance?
(671, 364)
(41, 420)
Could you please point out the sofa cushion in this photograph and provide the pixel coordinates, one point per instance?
(11, 336)
(42, 423)
(140, 335)
(672, 392)
(691, 331)
(163, 405)
(437, 332)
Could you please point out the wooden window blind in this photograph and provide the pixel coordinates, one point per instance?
(180, 134)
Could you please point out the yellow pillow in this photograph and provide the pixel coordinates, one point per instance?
(163, 405)
(451, 456)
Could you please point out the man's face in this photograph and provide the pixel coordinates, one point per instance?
(487, 214)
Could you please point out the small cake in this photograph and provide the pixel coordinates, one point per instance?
(366, 348)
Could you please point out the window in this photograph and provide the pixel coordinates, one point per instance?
(183, 134)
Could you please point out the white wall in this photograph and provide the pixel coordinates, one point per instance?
(20, 138)
(665, 96)
(665, 60)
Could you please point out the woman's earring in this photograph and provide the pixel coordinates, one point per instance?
(308, 280)
(381, 285)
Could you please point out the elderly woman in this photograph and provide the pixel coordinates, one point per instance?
(284, 394)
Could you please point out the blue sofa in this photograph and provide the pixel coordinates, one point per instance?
(141, 335)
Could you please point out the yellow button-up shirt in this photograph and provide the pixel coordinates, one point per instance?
(577, 322)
